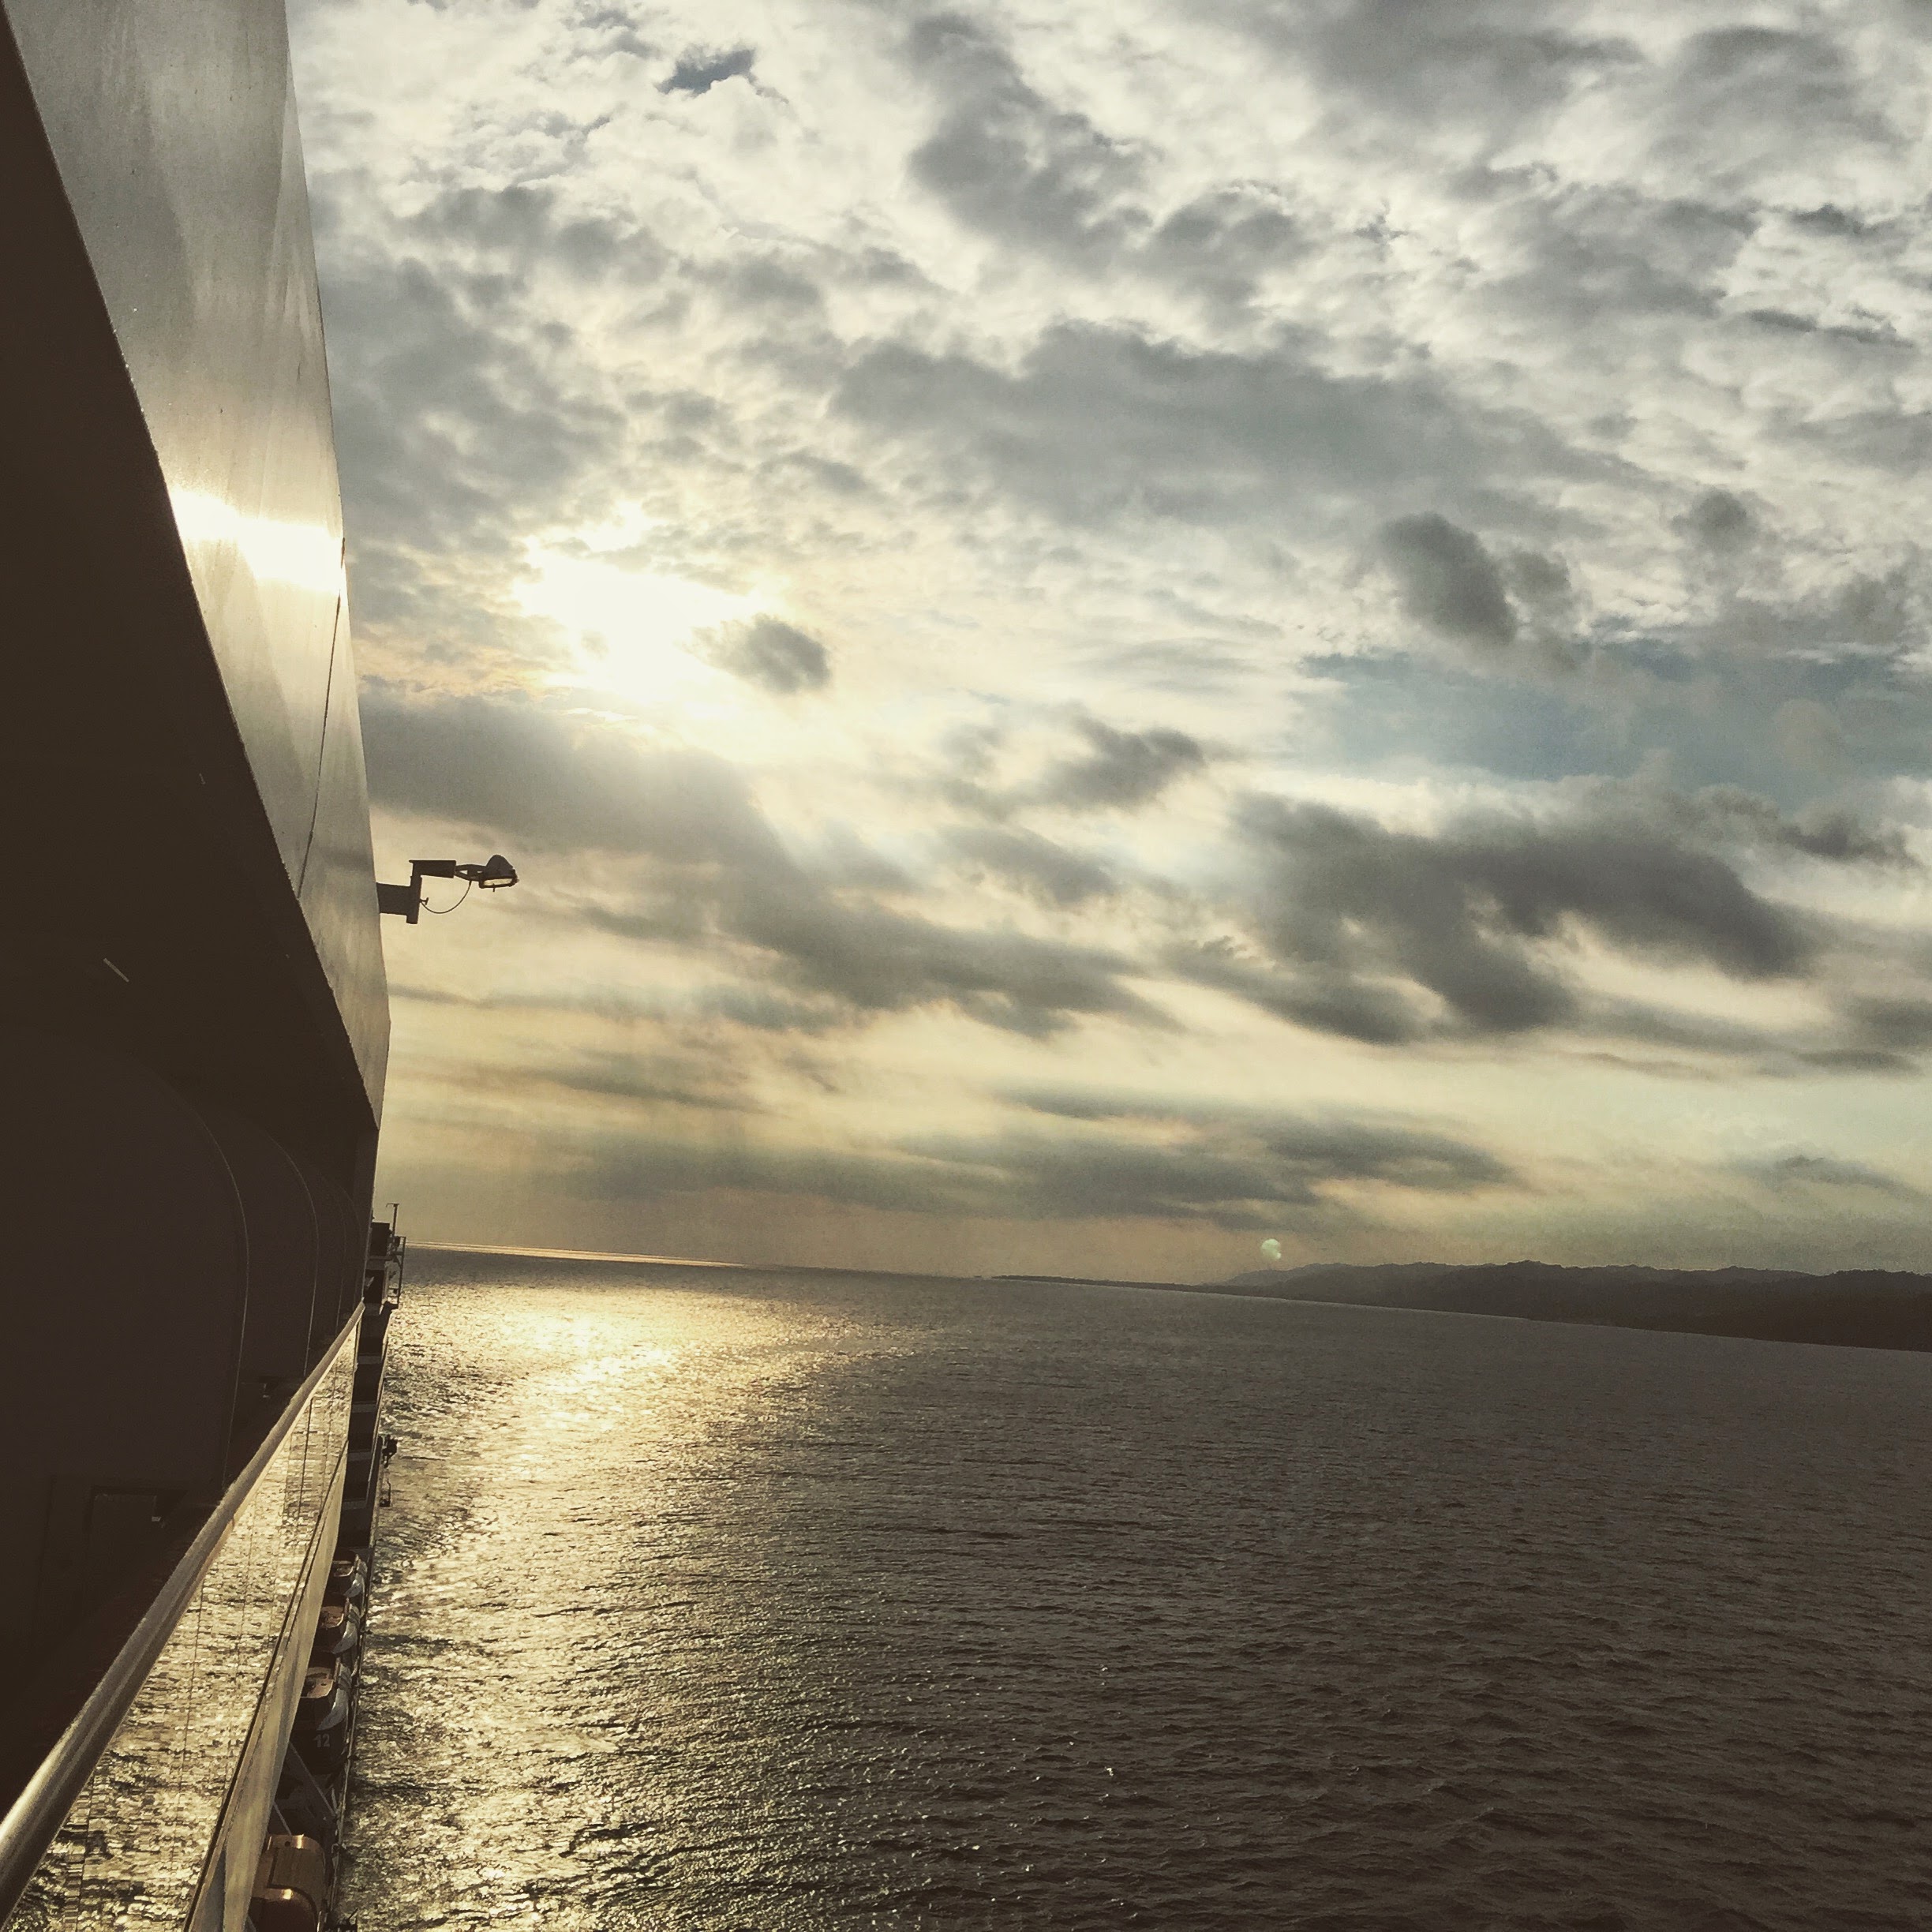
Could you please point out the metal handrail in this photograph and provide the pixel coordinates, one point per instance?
(41, 1808)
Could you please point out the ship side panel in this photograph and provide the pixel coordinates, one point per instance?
(193, 943)
(336, 887)
(174, 130)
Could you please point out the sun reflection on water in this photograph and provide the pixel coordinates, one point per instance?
(537, 1595)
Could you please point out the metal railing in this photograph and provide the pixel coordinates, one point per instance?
(36, 1816)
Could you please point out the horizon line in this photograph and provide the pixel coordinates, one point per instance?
(573, 1254)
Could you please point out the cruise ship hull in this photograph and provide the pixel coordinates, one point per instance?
(195, 1018)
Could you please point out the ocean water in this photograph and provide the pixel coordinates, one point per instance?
(768, 1602)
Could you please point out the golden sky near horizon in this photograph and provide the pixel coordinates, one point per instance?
(1107, 633)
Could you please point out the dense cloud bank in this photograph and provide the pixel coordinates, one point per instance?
(1353, 912)
(1338, 923)
(1232, 1176)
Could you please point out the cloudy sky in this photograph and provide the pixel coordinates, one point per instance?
(1108, 632)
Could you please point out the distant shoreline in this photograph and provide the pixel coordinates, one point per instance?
(1849, 1309)
(1852, 1308)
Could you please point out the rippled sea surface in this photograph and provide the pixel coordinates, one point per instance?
(783, 1601)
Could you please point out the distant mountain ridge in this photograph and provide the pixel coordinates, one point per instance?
(1855, 1308)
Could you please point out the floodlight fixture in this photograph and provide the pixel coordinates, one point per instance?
(494, 874)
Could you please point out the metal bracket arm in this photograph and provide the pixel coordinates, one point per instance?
(407, 900)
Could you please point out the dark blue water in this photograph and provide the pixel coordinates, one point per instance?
(789, 1602)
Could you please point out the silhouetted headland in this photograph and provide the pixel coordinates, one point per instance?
(1855, 1307)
